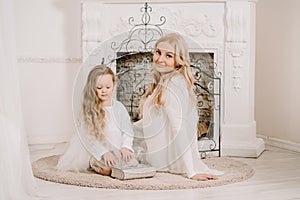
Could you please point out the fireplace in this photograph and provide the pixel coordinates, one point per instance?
(134, 77)
(219, 34)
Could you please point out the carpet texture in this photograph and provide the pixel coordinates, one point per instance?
(235, 171)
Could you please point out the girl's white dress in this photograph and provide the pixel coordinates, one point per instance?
(119, 134)
(170, 131)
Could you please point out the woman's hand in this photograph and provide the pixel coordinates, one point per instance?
(204, 177)
(126, 154)
(110, 159)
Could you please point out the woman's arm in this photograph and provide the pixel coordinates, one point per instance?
(177, 108)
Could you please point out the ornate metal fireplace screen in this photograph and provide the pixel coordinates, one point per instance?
(133, 58)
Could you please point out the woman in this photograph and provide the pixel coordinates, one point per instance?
(169, 113)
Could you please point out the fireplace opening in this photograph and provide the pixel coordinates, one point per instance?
(205, 101)
(134, 77)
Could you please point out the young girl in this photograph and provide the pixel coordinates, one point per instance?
(169, 113)
(105, 135)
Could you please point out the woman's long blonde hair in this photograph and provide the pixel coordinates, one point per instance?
(93, 112)
(182, 66)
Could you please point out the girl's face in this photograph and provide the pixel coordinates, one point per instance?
(164, 55)
(105, 87)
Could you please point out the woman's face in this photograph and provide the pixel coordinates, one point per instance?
(164, 55)
(105, 87)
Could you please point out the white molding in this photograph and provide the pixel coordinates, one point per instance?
(280, 143)
(248, 149)
(236, 50)
(236, 18)
(36, 59)
(49, 139)
(193, 26)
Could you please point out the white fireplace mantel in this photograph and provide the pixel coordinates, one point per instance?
(226, 28)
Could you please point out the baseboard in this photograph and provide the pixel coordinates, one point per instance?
(244, 149)
(280, 143)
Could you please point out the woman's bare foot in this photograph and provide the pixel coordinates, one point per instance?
(203, 177)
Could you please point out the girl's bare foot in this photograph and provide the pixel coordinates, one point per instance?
(203, 177)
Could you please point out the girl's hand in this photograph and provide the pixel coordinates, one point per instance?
(126, 154)
(110, 159)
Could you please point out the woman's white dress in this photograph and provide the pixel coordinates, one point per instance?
(170, 131)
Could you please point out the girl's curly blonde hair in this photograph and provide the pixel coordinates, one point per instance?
(93, 112)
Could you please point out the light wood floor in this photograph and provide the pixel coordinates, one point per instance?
(277, 177)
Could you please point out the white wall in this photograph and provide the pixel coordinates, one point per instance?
(278, 71)
(49, 55)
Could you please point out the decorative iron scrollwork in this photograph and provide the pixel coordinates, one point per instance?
(142, 35)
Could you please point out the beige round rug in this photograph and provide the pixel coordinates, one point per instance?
(235, 171)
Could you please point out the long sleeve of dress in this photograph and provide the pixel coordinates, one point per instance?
(182, 118)
(82, 145)
(120, 119)
(125, 126)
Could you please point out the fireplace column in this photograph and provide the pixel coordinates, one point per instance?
(238, 125)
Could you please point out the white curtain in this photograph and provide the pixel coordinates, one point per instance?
(16, 178)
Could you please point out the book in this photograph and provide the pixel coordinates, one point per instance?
(133, 172)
